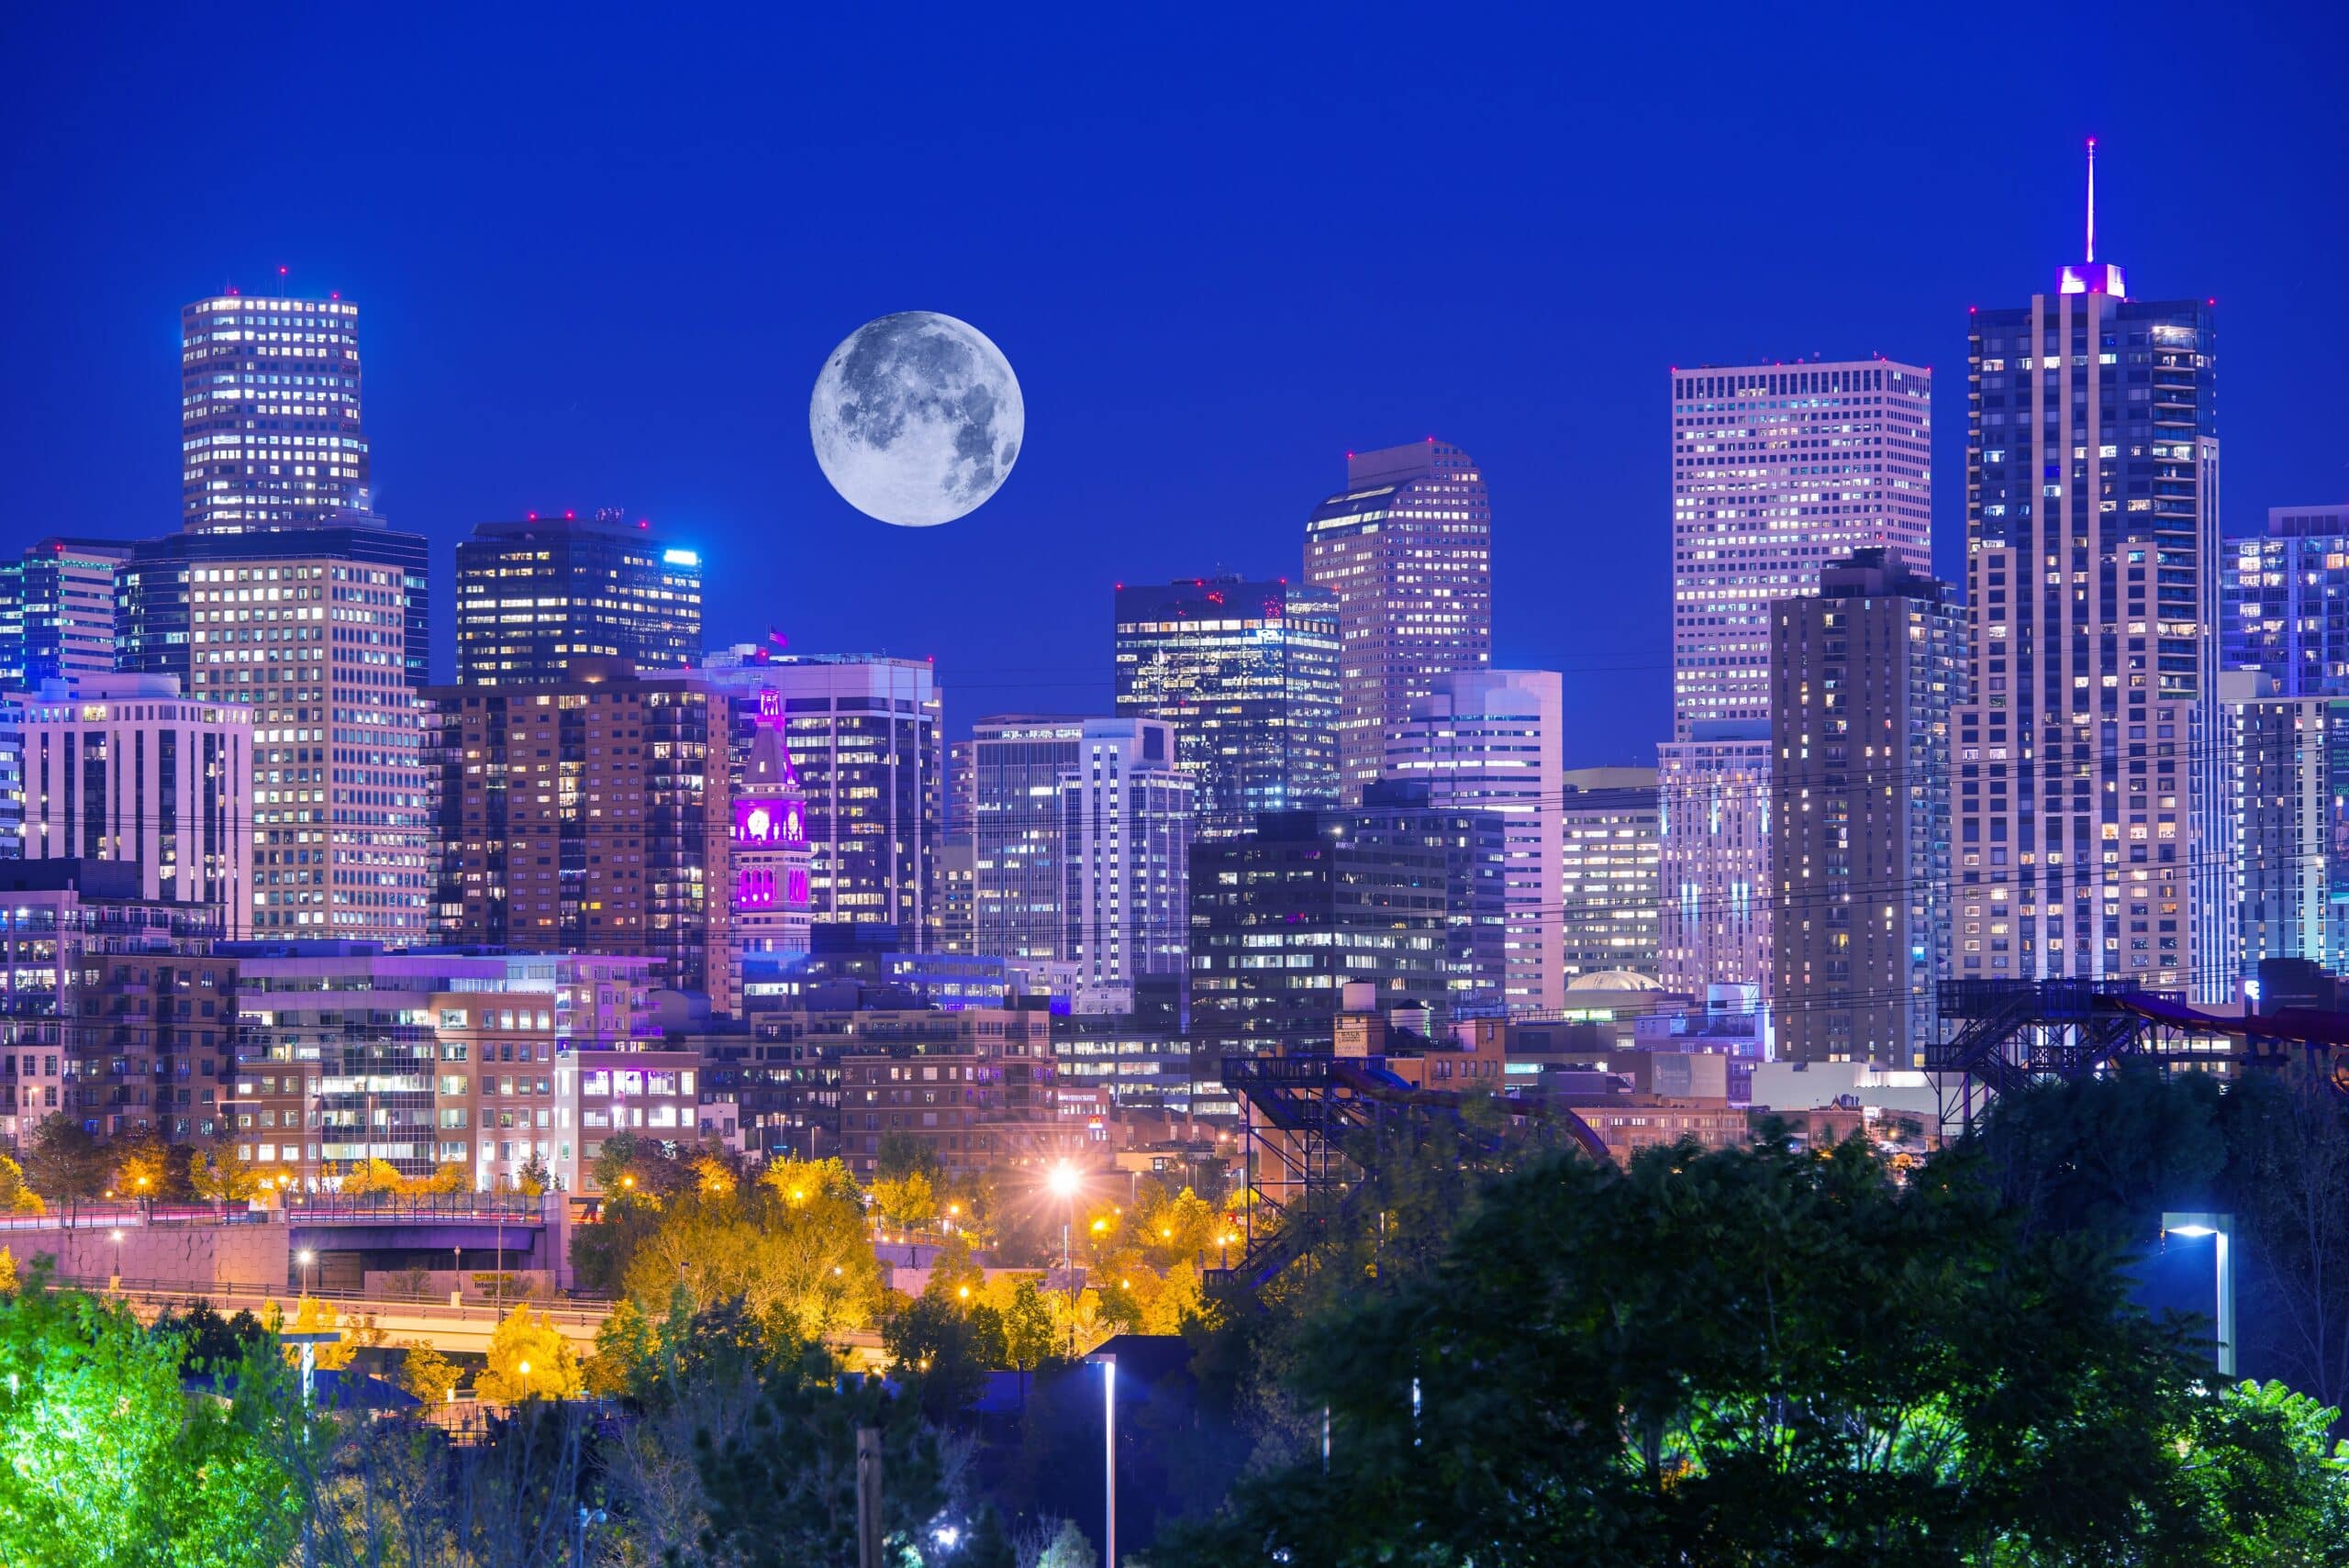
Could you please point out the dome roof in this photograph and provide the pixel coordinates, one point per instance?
(1614, 980)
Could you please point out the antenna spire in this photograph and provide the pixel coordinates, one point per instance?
(2091, 256)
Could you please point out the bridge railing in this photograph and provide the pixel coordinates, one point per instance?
(228, 1296)
(310, 1207)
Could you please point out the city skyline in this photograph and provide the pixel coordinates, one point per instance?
(502, 379)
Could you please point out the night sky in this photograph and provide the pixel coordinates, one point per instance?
(601, 253)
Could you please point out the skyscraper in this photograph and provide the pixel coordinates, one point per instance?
(57, 611)
(1247, 672)
(1609, 871)
(1488, 741)
(1407, 547)
(1125, 823)
(1863, 679)
(2285, 601)
(2087, 778)
(1016, 763)
(1776, 470)
(533, 595)
(270, 429)
(591, 815)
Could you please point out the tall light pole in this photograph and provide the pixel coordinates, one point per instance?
(2220, 1226)
(1108, 1365)
(116, 1234)
(1063, 1181)
(305, 1258)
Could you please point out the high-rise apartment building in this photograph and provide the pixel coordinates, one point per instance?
(2285, 601)
(1608, 871)
(864, 737)
(534, 595)
(271, 434)
(124, 768)
(1862, 678)
(1247, 672)
(2087, 788)
(1407, 547)
(57, 611)
(1125, 816)
(1017, 892)
(589, 815)
(1490, 741)
(1776, 471)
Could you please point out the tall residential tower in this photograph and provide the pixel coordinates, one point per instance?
(2089, 844)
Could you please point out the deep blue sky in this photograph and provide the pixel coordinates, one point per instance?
(601, 253)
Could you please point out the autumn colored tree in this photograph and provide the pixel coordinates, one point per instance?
(312, 1315)
(527, 1358)
(221, 1175)
(147, 1167)
(804, 1180)
(427, 1375)
(372, 1178)
(905, 1201)
(16, 1197)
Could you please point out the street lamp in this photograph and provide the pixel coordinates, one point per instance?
(305, 1258)
(116, 1234)
(2222, 1226)
(1108, 1365)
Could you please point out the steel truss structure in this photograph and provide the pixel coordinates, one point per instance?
(2001, 1034)
(1310, 1120)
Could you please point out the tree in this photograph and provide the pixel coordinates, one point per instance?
(1179, 1231)
(65, 1163)
(629, 1168)
(147, 1167)
(313, 1316)
(907, 1201)
(528, 1360)
(987, 1545)
(372, 1178)
(1027, 1322)
(903, 1154)
(2287, 1185)
(213, 1342)
(937, 1345)
(451, 1176)
(221, 1175)
(799, 1182)
(103, 1459)
(1753, 1356)
(16, 1197)
(715, 1176)
(533, 1178)
(8, 1284)
(780, 1490)
(427, 1375)
(1069, 1548)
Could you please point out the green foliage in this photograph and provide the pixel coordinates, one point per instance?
(945, 1349)
(632, 1170)
(810, 1262)
(781, 1491)
(65, 1164)
(1751, 1357)
(103, 1459)
(987, 1546)
(903, 1154)
(211, 1339)
(1069, 1548)
(1029, 1339)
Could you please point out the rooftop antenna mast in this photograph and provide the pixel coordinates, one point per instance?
(2091, 256)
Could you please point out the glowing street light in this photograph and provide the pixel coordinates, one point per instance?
(116, 1234)
(2222, 1226)
(305, 1258)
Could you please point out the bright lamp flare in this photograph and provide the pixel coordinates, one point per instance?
(1063, 1180)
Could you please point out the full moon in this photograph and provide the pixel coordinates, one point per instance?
(917, 418)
